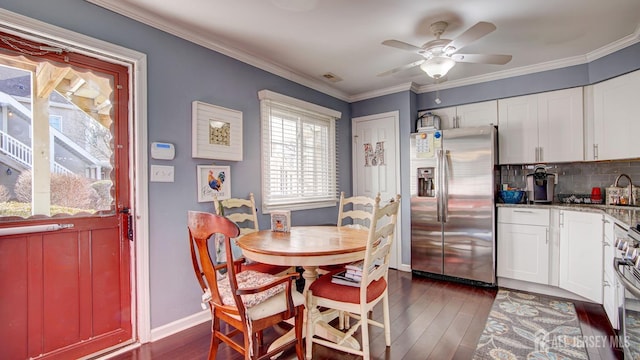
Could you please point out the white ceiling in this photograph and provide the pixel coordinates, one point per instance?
(303, 39)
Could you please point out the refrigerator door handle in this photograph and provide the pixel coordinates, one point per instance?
(445, 185)
(439, 185)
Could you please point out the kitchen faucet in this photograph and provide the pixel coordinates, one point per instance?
(630, 187)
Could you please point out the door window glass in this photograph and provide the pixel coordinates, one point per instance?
(56, 141)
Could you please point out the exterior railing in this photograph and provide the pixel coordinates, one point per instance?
(21, 153)
(16, 150)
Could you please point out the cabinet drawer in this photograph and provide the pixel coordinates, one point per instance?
(527, 216)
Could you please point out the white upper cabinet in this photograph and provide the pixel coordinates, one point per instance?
(615, 128)
(518, 129)
(545, 127)
(469, 115)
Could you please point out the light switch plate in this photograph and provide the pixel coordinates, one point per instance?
(162, 173)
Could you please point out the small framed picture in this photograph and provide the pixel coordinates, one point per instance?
(213, 182)
(281, 220)
(216, 132)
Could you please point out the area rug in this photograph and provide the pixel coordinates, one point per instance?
(528, 326)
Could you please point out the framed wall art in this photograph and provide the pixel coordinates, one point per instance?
(213, 182)
(216, 132)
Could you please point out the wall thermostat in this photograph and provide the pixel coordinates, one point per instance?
(163, 151)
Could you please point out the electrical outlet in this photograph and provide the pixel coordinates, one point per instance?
(162, 173)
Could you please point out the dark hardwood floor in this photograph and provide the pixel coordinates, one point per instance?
(430, 319)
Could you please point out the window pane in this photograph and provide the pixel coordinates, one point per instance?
(56, 148)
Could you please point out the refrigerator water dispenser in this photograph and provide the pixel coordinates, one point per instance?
(425, 182)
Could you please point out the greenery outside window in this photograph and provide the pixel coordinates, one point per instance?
(298, 153)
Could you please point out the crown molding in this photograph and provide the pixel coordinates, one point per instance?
(320, 86)
(546, 66)
(504, 74)
(381, 92)
(224, 49)
(615, 46)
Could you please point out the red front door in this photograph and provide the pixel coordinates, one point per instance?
(64, 160)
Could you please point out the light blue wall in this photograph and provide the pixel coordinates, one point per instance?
(178, 73)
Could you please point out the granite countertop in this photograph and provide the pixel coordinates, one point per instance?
(626, 215)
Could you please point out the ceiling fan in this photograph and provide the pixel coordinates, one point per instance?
(441, 55)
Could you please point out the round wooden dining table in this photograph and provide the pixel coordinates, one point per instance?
(306, 246)
(309, 247)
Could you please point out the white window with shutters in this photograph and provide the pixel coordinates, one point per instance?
(299, 168)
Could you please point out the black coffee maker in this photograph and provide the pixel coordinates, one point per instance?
(540, 186)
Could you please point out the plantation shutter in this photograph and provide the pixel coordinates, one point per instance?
(298, 154)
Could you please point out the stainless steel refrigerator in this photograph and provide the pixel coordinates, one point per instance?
(452, 204)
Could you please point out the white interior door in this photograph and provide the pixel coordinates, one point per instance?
(376, 163)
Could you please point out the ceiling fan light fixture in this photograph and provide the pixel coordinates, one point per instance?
(438, 66)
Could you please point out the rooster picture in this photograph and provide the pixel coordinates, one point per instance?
(216, 182)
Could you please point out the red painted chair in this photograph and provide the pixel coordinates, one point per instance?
(247, 301)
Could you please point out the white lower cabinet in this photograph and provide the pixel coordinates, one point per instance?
(559, 249)
(581, 268)
(523, 244)
(523, 252)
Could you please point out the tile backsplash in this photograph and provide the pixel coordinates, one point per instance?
(576, 178)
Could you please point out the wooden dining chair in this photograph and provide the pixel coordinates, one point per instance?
(243, 212)
(356, 212)
(358, 301)
(248, 301)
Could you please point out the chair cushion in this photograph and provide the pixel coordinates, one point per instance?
(324, 288)
(275, 304)
(247, 279)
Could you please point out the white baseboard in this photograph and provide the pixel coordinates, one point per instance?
(179, 325)
(404, 267)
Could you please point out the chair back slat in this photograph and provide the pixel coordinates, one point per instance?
(357, 209)
(241, 211)
(379, 242)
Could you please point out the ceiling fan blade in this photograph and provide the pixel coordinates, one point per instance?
(401, 45)
(472, 34)
(482, 58)
(402, 68)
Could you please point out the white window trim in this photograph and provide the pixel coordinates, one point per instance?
(283, 100)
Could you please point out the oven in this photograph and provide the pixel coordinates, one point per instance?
(627, 269)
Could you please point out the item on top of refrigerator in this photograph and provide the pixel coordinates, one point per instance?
(427, 121)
